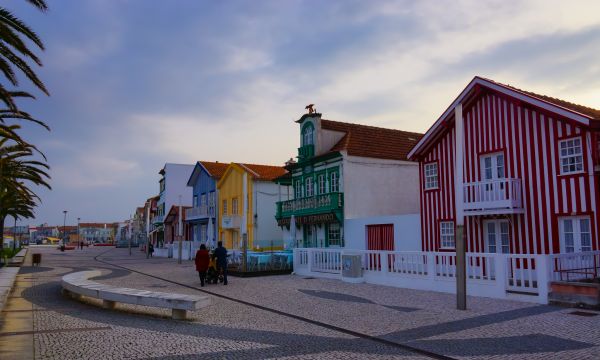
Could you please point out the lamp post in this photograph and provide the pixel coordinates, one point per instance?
(64, 230)
(79, 234)
(130, 232)
(179, 232)
(14, 235)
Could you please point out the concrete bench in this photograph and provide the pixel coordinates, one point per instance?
(77, 285)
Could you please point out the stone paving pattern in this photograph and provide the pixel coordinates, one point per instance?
(490, 329)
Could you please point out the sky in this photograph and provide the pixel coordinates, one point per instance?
(138, 83)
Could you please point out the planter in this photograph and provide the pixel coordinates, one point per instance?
(575, 293)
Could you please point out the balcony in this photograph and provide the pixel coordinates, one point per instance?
(501, 196)
(199, 212)
(306, 152)
(319, 204)
(231, 221)
(158, 219)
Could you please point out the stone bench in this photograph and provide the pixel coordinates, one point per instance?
(77, 285)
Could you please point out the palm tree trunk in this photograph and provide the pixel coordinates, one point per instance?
(2, 234)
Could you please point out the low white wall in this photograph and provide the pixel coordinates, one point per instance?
(407, 231)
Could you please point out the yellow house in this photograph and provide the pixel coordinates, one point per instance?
(247, 199)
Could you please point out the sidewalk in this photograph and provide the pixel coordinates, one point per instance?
(500, 329)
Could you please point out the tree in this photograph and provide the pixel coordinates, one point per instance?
(17, 172)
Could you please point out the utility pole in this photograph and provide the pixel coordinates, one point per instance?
(64, 230)
(130, 233)
(461, 268)
(148, 229)
(179, 250)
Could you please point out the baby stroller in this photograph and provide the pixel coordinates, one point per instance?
(212, 275)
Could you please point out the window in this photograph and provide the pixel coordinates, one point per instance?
(575, 234)
(307, 135)
(203, 233)
(298, 189)
(334, 182)
(322, 184)
(431, 176)
(334, 234)
(571, 156)
(203, 199)
(195, 201)
(211, 203)
(234, 206)
(447, 235)
(492, 166)
(309, 186)
(224, 207)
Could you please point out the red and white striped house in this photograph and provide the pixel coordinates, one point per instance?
(530, 173)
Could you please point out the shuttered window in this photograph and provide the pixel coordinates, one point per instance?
(380, 237)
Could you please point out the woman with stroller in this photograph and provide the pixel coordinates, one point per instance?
(202, 260)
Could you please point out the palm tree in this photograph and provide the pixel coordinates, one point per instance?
(14, 52)
(17, 171)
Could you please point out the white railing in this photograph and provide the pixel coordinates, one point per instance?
(493, 195)
(325, 260)
(231, 221)
(575, 266)
(492, 275)
(202, 211)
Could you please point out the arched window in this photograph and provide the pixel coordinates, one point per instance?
(308, 134)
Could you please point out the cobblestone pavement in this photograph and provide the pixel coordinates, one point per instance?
(62, 328)
(490, 329)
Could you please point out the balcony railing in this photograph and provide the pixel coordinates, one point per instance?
(158, 219)
(231, 221)
(501, 196)
(310, 205)
(200, 212)
(306, 152)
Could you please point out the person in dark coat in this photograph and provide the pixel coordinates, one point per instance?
(202, 260)
(221, 256)
(150, 249)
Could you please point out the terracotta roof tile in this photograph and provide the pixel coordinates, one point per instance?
(371, 141)
(265, 172)
(216, 169)
(594, 113)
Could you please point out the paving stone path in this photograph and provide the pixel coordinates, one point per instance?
(61, 328)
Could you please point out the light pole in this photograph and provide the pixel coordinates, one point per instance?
(64, 229)
(14, 235)
(79, 234)
(179, 228)
(130, 232)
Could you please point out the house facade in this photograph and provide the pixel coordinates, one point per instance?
(247, 197)
(202, 217)
(175, 225)
(173, 190)
(529, 182)
(98, 233)
(353, 187)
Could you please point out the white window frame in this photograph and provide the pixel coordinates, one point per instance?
(298, 189)
(322, 189)
(203, 199)
(447, 235)
(576, 232)
(431, 179)
(203, 233)
(224, 210)
(334, 228)
(335, 182)
(496, 167)
(499, 246)
(234, 206)
(309, 186)
(308, 136)
(571, 161)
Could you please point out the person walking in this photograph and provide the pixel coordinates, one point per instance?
(150, 249)
(221, 256)
(202, 260)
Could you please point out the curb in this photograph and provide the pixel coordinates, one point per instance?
(7, 280)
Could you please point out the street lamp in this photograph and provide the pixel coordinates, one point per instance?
(79, 234)
(64, 230)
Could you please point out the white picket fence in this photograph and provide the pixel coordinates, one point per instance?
(521, 276)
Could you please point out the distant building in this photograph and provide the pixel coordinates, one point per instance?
(173, 191)
(94, 233)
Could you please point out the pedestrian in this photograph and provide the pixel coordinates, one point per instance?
(81, 244)
(150, 249)
(221, 255)
(202, 260)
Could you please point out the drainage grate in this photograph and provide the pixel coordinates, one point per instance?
(583, 313)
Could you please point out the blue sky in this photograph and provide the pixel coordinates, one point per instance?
(137, 83)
